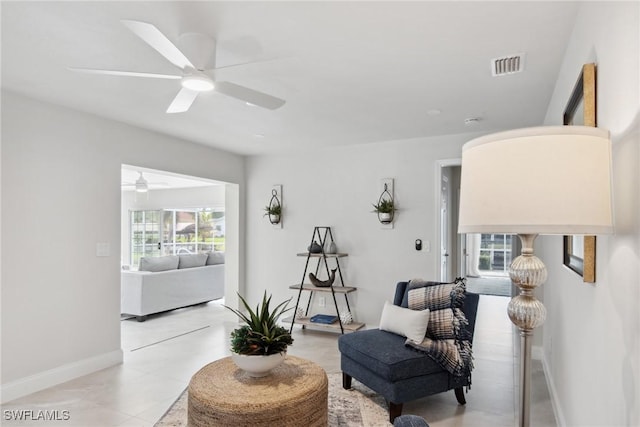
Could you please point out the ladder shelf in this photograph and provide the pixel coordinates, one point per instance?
(323, 236)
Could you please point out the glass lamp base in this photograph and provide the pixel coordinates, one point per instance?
(527, 272)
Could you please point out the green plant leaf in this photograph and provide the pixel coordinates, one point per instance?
(261, 334)
(273, 210)
(384, 206)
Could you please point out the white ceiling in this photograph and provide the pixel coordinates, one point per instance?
(351, 72)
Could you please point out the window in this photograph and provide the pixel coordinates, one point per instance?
(495, 253)
(176, 232)
(145, 234)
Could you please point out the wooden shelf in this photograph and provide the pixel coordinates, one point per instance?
(351, 327)
(321, 236)
(338, 255)
(337, 288)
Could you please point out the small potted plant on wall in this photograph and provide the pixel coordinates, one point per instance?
(261, 344)
(274, 212)
(385, 209)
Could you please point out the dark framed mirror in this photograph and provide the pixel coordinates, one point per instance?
(579, 252)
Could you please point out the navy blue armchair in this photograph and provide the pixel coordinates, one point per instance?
(381, 361)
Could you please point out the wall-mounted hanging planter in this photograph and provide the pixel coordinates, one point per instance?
(274, 209)
(385, 208)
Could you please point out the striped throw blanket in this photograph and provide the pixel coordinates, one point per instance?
(447, 341)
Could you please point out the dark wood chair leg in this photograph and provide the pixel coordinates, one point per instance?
(346, 381)
(395, 410)
(460, 395)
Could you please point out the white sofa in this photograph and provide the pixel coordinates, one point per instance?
(167, 283)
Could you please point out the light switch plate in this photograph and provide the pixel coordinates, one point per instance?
(103, 249)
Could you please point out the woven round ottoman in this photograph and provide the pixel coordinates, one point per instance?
(293, 394)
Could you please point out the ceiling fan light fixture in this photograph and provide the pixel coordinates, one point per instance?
(141, 184)
(197, 83)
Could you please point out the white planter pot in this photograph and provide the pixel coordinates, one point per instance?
(385, 218)
(258, 366)
(274, 219)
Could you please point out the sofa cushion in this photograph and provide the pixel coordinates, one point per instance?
(405, 322)
(386, 354)
(215, 258)
(192, 260)
(161, 263)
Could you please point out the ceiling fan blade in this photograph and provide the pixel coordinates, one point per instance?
(154, 38)
(159, 185)
(151, 184)
(240, 64)
(249, 95)
(182, 101)
(125, 73)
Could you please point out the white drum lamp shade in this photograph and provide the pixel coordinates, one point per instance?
(543, 180)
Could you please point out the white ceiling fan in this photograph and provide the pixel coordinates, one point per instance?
(142, 185)
(194, 78)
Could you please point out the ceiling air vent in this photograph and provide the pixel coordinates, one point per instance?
(507, 65)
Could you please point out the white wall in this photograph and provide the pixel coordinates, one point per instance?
(336, 187)
(592, 332)
(60, 196)
(180, 198)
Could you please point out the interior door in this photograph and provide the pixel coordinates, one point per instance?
(462, 256)
(444, 227)
(446, 201)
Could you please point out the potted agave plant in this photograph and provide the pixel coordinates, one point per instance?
(261, 344)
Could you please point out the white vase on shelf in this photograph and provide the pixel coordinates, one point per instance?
(346, 318)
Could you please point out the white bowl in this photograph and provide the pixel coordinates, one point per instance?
(257, 365)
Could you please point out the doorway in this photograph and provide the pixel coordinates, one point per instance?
(483, 259)
(450, 244)
(173, 214)
(487, 258)
(176, 215)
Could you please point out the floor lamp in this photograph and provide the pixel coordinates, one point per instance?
(544, 180)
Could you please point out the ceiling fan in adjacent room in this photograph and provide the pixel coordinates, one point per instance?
(194, 79)
(142, 185)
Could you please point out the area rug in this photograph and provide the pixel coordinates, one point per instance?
(358, 407)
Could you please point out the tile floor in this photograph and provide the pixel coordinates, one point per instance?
(161, 355)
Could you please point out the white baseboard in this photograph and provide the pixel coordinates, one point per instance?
(553, 394)
(40, 381)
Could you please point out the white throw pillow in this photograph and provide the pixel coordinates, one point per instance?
(162, 263)
(215, 258)
(192, 260)
(404, 321)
